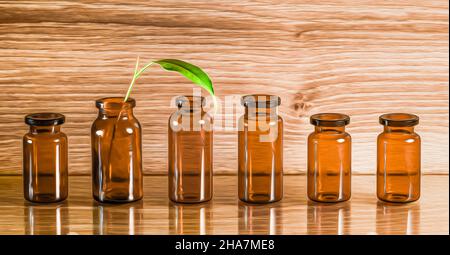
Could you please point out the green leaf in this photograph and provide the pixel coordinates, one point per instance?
(190, 71)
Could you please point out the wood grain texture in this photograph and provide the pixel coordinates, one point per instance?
(363, 58)
(363, 214)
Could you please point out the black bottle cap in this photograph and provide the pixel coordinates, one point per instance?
(329, 119)
(399, 119)
(45, 119)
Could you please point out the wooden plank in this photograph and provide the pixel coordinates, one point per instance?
(363, 214)
(362, 58)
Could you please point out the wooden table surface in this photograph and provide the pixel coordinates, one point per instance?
(225, 214)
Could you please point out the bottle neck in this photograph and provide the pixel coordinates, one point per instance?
(45, 129)
(115, 112)
(389, 129)
(319, 129)
(261, 111)
(191, 109)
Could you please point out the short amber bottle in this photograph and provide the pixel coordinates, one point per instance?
(116, 152)
(260, 173)
(329, 158)
(398, 158)
(190, 152)
(45, 167)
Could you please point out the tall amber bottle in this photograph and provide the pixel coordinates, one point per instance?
(398, 158)
(116, 152)
(260, 174)
(329, 158)
(45, 167)
(190, 152)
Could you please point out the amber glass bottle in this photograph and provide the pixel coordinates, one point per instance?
(398, 158)
(260, 174)
(116, 152)
(45, 167)
(190, 152)
(329, 158)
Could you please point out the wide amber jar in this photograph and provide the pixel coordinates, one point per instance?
(190, 152)
(398, 158)
(116, 152)
(329, 158)
(45, 166)
(260, 152)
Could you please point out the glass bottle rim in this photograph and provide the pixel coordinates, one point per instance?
(399, 119)
(261, 100)
(114, 102)
(45, 119)
(329, 119)
(192, 100)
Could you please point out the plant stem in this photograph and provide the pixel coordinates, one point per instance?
(136, 76)
(214, 104)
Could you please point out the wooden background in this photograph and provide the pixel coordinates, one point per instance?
(363, 58)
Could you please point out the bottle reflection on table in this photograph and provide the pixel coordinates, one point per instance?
(397, 219)
(190, 219)
(328, 218)
(47, 219)
(118, 219)
(260, 219)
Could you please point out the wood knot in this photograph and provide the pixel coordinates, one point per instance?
(301, 34)
(300, 105)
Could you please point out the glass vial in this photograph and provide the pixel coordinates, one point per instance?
(45, 167)
(398, 158)
(260, 174)
(329, 158)
(190, 152)
(116, 152)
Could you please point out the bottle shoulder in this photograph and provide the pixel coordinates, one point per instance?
(398, 135)
(58, 137)
(387, 137)
(190, 121)
(124, 122)
(266, 118)
(330, 136)
(180, 116)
